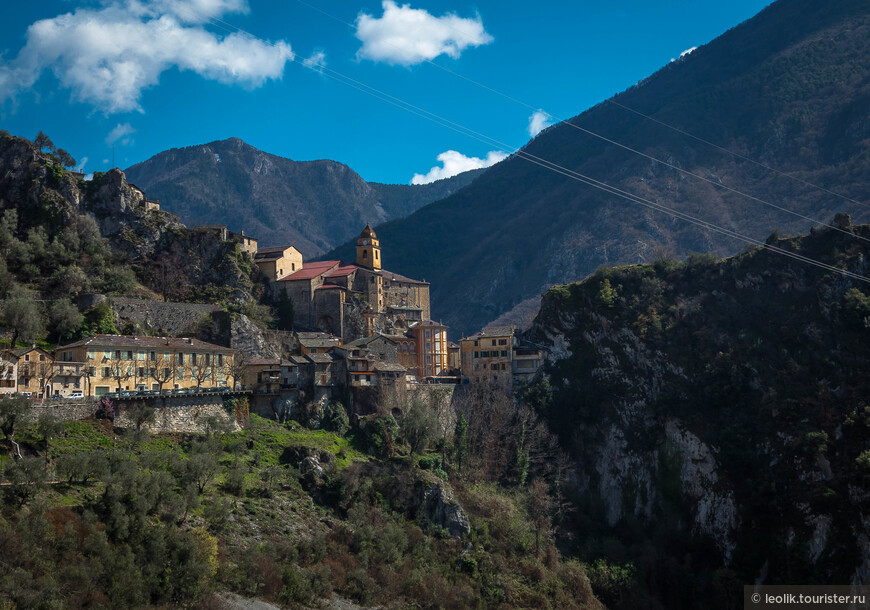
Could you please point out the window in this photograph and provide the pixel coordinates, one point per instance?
(493, 341)
(504, 353)
(193, 358)
(477, 354)
(475, 344)
(502, 341)
(152, 356)
(207, 359)
(166, 372)
(502, 366)
(167, 357)
(179, 373)
(313, 350)
(27, 358)
(366, 255)
(428, 359)
(493, 366)
(129, 355)
(107, 372)
(107, 354)
(376, 254)
(140, 372)
(428, 334)
(91, 354)
(129, 371)
(292, 266)
(220, 359)
(117, 354)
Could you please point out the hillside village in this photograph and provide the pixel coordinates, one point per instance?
(357, 327)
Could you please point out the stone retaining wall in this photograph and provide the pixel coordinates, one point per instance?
(173, 319)
(187, 415)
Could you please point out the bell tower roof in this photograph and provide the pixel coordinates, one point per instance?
(368, 232)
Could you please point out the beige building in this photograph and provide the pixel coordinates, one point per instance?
(278, 262)
(494, 355)
(487, 356)
(35, 370)
(135, 363)
(8, 372)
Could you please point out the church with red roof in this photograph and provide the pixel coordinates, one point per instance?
(349, 300)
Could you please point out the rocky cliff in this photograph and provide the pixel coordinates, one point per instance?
(716, 411)
(64, 236)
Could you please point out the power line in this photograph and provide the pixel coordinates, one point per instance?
(613, 142)
(408, 107)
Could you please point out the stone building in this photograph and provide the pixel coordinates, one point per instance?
(247, 244)
(347, 300)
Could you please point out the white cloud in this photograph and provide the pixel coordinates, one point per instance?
(453, 163)
(108, 56)
(683, 54)
(120, 133)
(407, 36)
(81, 167)
(105, 161)
(316, 62)
(538, 122)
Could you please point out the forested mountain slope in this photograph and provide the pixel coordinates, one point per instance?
(789, 88)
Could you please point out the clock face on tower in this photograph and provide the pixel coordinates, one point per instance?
(365, 242)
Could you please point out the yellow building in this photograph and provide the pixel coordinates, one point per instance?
(431, 339)
(487, 356)
(278, 262)
(35, 370)
(112, 363)
(8, 372)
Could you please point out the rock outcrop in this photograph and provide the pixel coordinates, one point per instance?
(440, 509)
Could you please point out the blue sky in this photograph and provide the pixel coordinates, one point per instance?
(149, 75)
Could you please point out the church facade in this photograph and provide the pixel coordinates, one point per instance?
(355, 300)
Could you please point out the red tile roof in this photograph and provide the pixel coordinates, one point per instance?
(311, 270)
(343, 271)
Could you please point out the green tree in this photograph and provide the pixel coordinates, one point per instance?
(284, 311)
(12, 410)
(64, 319)
(42, 141)
(202, 468)
(65, 158)
(48, 426)
(419, 425)
(99, 320)
(22, 316)
(606, 293)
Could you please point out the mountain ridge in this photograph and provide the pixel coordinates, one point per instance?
(313, 205)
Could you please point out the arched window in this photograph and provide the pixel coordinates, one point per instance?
(413, 348)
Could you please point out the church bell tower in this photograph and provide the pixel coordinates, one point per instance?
(368, 250)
